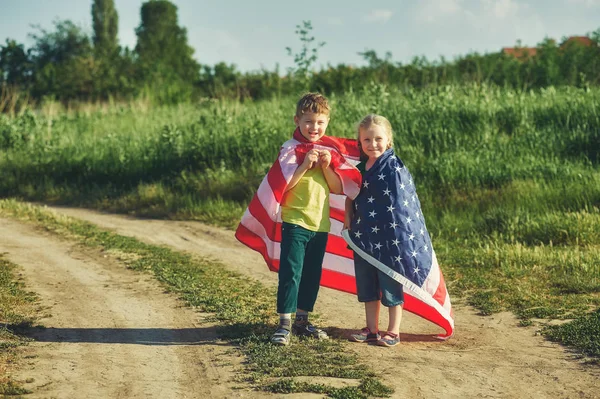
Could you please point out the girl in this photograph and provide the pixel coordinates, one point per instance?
(392, 248)
(372, 285)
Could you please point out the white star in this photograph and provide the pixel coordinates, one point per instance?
(370, 199)
(390, 208)
(414, 254)
(416, 270)
(396, 242)
(366, 184)
(372, 214)
(411, 236)
(386, 192)
(418, 214)
(378, 246)
(358, 234)
(410, 182)
(381, 176)
(398, 258)
(374, 229)
(408, 219)
(414, 199)
(422, 232)
(398, 168)
(393, 225)
(402, 186)
(358, 221)
(405, 203)
(356, 206)
(425, 248)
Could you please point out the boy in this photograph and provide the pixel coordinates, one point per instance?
(308, 169)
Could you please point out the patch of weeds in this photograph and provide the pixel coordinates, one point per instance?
(17, 313)
(243, 308)
(486, 301)
(582, 333)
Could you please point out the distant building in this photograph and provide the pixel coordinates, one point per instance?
(523, 53)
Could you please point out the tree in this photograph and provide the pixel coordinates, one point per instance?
(15, 65)
(106, 27)
(307, 57)
(162, 47)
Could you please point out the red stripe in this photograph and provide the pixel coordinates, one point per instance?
(427, 312)
(440, 293)
(277, 181)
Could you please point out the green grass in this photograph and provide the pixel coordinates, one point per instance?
(581, 333)
(242, 308)
(509, 181)
(18, 310)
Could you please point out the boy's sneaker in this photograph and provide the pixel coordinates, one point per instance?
(306, 329)
(365, 335)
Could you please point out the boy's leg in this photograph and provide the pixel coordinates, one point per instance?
(311, 272)
(309, 286)
(294, 240)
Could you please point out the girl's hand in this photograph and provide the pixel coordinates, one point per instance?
(311, 159)
(347, 223)
(325, 159)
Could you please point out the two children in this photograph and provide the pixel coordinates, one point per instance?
(294, 200)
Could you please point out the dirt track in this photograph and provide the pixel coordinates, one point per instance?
(116, 332)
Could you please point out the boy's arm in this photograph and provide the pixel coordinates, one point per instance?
(333, 180)
(311, 158)
(349, 214)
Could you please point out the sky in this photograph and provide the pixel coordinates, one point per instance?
(254, 35)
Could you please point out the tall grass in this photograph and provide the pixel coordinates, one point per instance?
(509, 180)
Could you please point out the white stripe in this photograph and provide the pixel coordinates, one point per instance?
(432, 281)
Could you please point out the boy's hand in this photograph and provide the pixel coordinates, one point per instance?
(311, 159)
(325, 159)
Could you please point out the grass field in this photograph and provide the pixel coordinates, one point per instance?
(509, 181)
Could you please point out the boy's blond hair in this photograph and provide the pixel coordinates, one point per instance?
(312, 102)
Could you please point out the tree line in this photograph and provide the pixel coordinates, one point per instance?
(66, 64)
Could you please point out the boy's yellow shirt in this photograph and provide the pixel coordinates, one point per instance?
(307, 203)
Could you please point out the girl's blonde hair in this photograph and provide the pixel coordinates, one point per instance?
(374, 119)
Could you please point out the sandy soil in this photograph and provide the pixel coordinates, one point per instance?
(488, 356)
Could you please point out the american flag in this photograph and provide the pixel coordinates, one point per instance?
(260, 227)
(388, 230)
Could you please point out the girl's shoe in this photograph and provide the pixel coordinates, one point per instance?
(365, 335)
(389, 339)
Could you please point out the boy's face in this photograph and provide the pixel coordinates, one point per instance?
(312, 125)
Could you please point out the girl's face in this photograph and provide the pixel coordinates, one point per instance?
(374, 141)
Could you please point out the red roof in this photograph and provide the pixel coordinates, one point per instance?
(520, 52)
(526, 52)
(582, 40)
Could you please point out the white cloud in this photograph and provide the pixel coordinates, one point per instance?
(502, 8)
(379, 16)
(434, 10)
(587, 3)
(335, 21)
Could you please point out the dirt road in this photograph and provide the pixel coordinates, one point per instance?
(488, 357)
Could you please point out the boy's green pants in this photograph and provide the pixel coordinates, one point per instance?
(300, 266)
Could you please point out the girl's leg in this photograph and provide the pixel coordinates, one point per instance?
(395, 319)
(372, 315)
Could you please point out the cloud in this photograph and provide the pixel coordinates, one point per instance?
(378, 16)
(502, 8)
(335, 21)
(587, 3)
(434, 10)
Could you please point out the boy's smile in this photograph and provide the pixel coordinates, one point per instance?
(312, 125)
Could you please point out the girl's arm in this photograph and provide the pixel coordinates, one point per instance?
(349, 214)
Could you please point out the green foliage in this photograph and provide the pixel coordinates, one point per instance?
(105, 21)
(307, 56)
(165, 59)
(582, 333)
